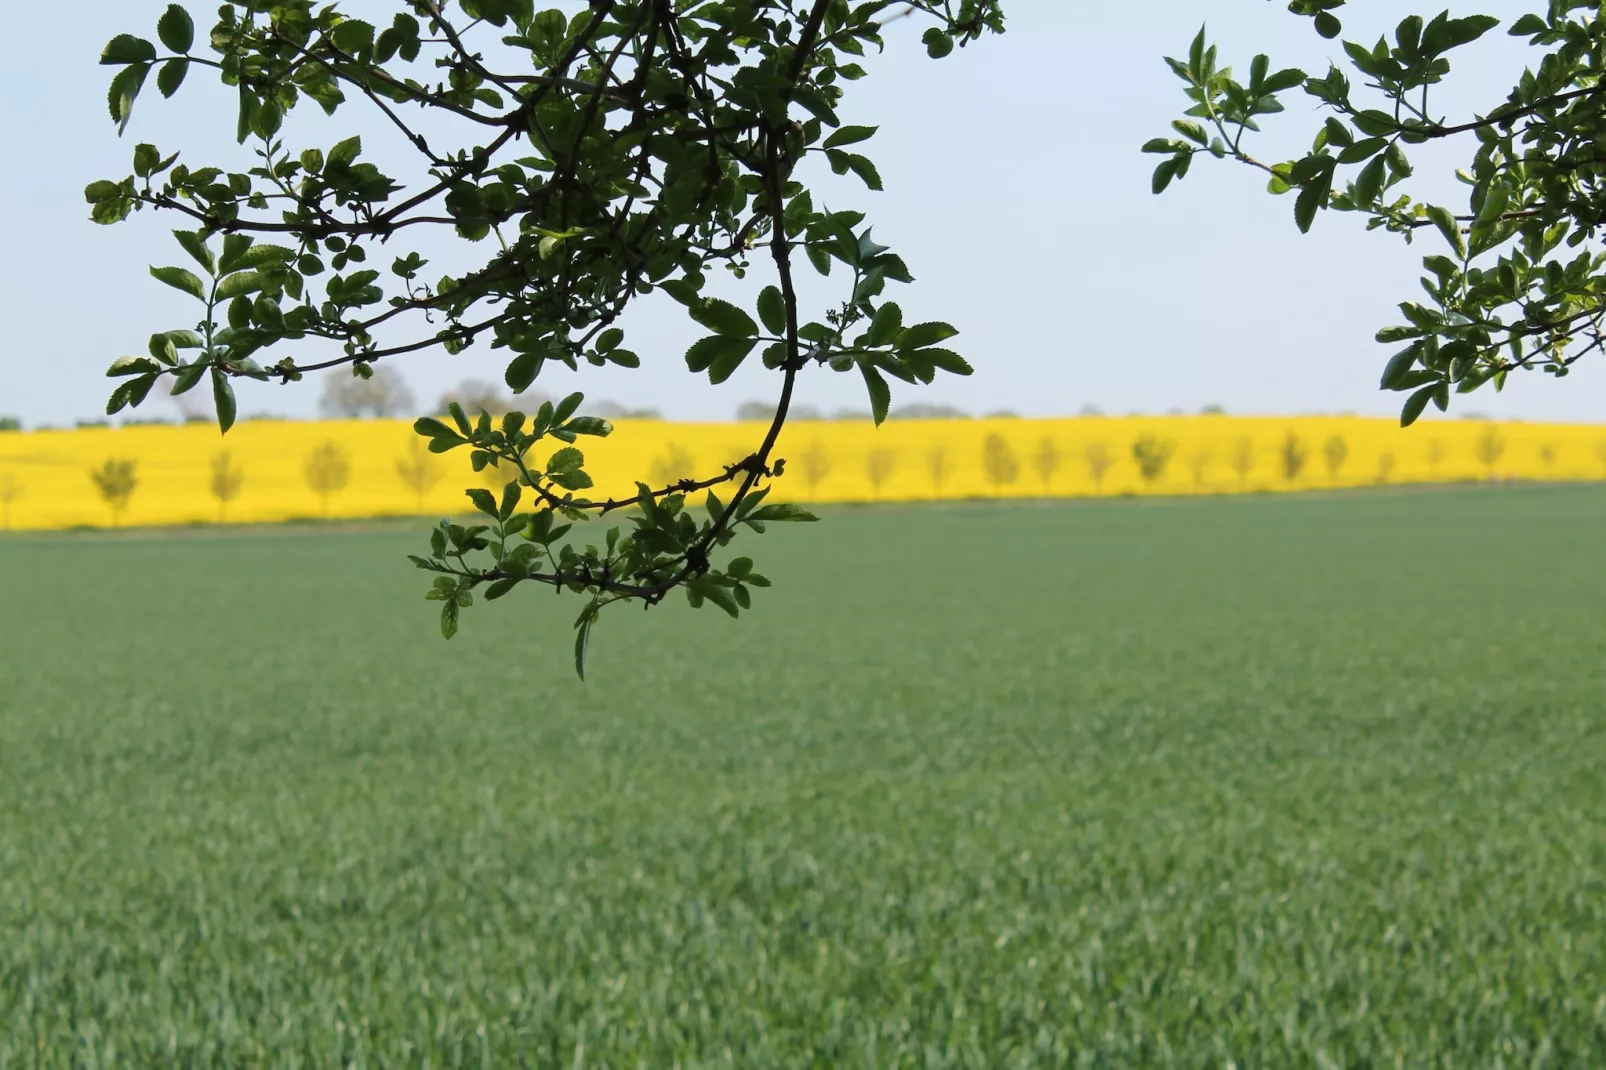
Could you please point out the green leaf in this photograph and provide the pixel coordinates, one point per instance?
(239, 284)
(1528, 25)
(772, 310)
(223, 396)
(582, 640)
(124, 91)
(1191, 130)
(567, 459)
(195, 245)
(595, 426)
(880, 392)
(922, 335)
(126, 48)
(449, 614)
(1415, 404)
(1445, 220)
(887, 323)
(171, 76)
(346, 151)
(722, 317)
(180, 279)
(176, 29)
(706, 352)
(781, 513)
(849, 135)
(132, 366)
(523, 369)
(946, 359)
(1370, 181)
(1311, 198)
(938, 44)
(482, 499)
(434, 429)
(1328, 26)
(866, 170)
(729, 359)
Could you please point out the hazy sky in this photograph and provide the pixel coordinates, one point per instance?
(1015, 190)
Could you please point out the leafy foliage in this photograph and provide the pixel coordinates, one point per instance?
(226, 482)
(634, 147)
(1153, 456)
(115, 482)
(1517, 284)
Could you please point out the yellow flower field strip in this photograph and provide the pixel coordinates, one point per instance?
(45, 481)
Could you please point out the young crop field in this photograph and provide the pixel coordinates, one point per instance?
(1263, 782)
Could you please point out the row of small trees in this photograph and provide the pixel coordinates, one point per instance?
(1150, 453)
(327, 468)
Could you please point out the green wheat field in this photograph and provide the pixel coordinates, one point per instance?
(1267, 782)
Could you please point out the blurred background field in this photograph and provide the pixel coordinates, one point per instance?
(279, 470)
(1293, 781)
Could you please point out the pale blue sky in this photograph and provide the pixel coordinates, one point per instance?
(1015, 191)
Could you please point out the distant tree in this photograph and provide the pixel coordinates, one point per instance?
(327, 471)
(10, 423)
(672, 466)
(419, 470)
(226, 482)
(1153, 456)
(878, 465)
(999, 462)
(612, 410)
(937, 468)
(1002, 414)
(116, 482)
(382, 394)
(852, 415)
(1435, 454)
(1099, 461)
(1489, 447)
(1385, 467)
(1548, 452)
(1046, 461)
(1292, 454)
(10, 491)
(814, 465)
(1200, 463)
(1242, 460)
(1089, 411)
(755, 411)
(1335, 451)
(1213, 410)
(920, 410)
(479, 395)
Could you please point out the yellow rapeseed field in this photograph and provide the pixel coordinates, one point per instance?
(280, 470)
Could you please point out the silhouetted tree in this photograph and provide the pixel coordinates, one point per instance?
(814, 465)
(937, 464)
(1153, 456)
(327, 471)
(1046, 461)
(1097, 456)
(1292, 454)
(116, 481)
(1335, 451)
(878, 465)
(419, 470)
(1242, 460)
(1385, 467)
(10, 491)
(1489, 447)
(999, 462)
(225, 484)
